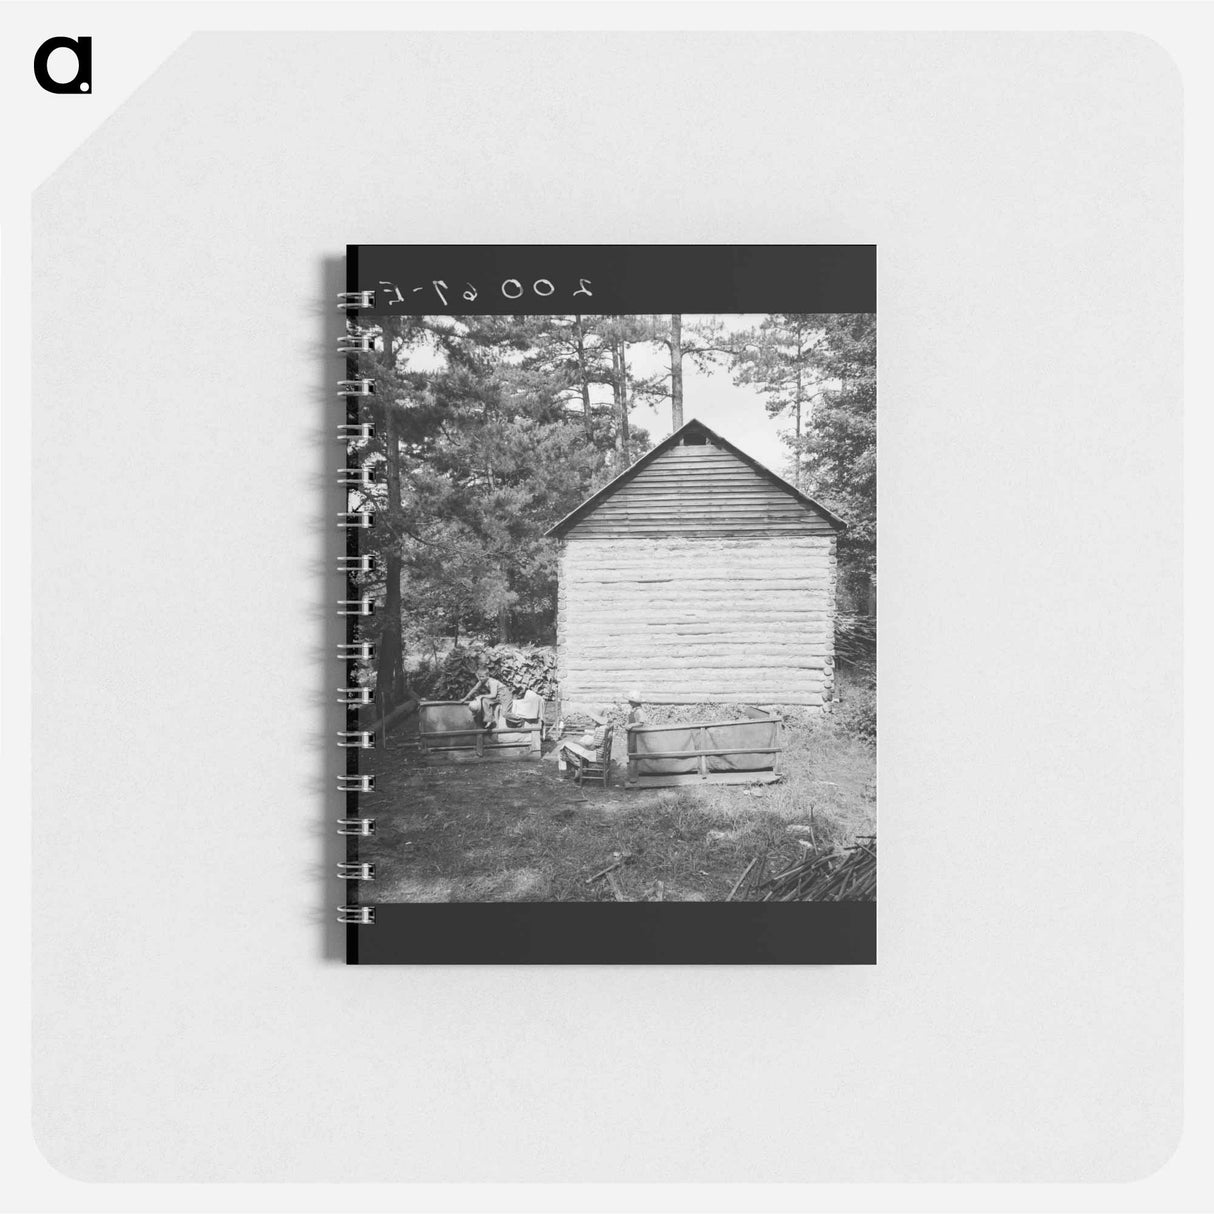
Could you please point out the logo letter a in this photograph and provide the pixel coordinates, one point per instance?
(82, 48)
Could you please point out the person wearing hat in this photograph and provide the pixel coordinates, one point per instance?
(586, 746)
(636, 714)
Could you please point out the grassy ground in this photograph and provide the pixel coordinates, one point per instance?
(517, 831)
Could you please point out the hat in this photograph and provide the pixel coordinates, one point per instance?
(634, 696)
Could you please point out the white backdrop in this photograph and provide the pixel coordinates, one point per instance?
(191, 1018)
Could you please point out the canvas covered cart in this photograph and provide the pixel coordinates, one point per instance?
(712, 752)
(448, 733)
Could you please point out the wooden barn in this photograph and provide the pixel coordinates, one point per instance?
(697, 576)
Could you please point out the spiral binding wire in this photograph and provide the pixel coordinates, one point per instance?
(354, 431)
(356, 341)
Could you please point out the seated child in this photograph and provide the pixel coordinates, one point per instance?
(489, 699)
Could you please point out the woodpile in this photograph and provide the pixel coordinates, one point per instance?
(520, 667)
(849, 875)
(856, 639)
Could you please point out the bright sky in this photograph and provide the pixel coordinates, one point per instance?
(736, 413)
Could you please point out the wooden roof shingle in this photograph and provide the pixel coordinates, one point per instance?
(697, 433)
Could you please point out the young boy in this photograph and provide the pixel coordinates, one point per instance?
(489, 708)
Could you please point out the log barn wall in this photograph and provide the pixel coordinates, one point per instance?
(701, 578)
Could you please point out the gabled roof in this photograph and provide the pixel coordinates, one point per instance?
(698, 428)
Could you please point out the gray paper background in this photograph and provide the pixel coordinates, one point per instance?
(192, 1019)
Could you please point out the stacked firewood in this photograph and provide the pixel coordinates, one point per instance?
(855, 639)
(846, 875)
(519, 667)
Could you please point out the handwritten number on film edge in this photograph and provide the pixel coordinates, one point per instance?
(511, 288)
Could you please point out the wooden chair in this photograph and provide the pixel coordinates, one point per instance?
(598, 768)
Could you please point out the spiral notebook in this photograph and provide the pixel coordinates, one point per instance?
(610, 647)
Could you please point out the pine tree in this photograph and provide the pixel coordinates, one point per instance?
(703, 343)
(841, 447)
(619, 332)
(780, 360)
(507, 463)
(819, 370)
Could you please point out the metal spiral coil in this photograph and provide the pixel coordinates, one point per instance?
(354, 389)
(356, 341)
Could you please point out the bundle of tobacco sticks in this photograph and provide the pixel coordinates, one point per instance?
(850, 876)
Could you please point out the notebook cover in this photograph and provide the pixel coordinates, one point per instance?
(714, 562)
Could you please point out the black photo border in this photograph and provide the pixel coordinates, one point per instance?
(610, 280)
(617, 933)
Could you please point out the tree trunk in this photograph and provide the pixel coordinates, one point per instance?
(619, 392)
(625, 430)
(581, 365)
(676, 371)
(390, 675)
(503, 624)
(617, 399)
(796, 457)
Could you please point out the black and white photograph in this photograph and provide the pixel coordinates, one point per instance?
(624, 627)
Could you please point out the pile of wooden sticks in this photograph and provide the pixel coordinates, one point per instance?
(829, 876)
